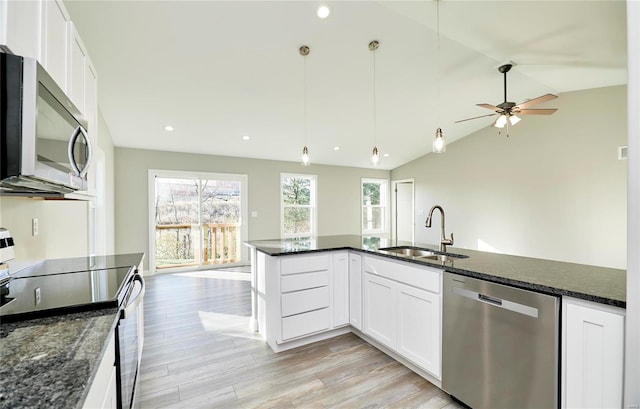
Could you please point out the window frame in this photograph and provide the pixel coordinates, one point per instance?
(384, 205)
(313, 200)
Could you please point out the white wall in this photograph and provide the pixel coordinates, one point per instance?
(553, 189)
(338, 192)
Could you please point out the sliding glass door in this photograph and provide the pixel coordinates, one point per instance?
(197, 219)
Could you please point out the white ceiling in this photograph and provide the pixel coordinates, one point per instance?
(218, 70)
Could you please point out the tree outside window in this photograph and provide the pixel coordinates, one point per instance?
(374, 205)
(298, 197)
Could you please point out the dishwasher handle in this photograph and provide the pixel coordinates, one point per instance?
(134, 303)
(497, 302)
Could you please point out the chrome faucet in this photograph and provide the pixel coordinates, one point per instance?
(444, 241)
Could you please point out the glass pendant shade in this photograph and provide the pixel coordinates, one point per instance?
(514, 119)
(439, 144)
(305, 156)
(375, 156)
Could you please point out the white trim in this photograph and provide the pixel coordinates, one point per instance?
(632, 352)
(313, 201)
(387, 198)
(244, 206)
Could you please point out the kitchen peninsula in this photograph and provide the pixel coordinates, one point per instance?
(308, 289)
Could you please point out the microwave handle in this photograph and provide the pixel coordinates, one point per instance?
(74, 137)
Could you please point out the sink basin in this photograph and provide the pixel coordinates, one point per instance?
(423, 254)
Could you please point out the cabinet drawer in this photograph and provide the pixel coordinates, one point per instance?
(304, 324)
(304, 264)
(427, 278)
(303, 301)
(296, 282)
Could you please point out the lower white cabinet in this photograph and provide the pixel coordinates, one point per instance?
(102, 392)
(402, 310)
(593, 344)
(355, 290)
(340, 302)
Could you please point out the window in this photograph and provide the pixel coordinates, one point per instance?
(375, 197)
(298, 199)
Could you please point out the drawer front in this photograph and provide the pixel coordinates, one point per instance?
(427, 278)
(304, 324)
(296, 282)
(304, 264)
(303, 301)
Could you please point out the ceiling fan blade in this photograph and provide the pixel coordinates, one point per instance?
(475, 117)
(489, 106)
(547, 111)
(539, 100)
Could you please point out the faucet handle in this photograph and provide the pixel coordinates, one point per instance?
(448, 242)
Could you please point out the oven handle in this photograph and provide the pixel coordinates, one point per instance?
(135, 303)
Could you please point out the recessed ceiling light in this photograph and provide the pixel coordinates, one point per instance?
(336, 148)
(168, 128)
(323, 11)
(386, 155)
(246, 137)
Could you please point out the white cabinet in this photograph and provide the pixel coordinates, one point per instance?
(102, 392)
(340, 284)
(355, 290)
(76, 74)
(20, 26)
(593, 344)
(402, 310)
(419, 331)
(55, 41)
(380, 311)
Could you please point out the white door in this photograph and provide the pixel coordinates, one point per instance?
(403, 220)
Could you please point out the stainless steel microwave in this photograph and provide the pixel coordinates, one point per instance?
(44, 143)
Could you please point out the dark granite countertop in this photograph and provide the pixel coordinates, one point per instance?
(49, 362)
(597, 284)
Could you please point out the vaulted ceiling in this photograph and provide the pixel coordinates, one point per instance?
(218, 70)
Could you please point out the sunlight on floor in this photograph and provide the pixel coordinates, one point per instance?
(219, 274)
(226, 324)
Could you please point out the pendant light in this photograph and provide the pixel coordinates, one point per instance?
(375, 155)
(304, 51)
(439, 144)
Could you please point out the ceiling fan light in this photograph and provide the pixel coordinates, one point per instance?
(375, 156)
(439, 144)
(305, 156)
(501, 121)
(514, 119)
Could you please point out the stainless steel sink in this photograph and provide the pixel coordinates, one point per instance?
(422, 254)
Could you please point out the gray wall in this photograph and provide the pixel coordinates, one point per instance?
(338, 192)
(553, 189)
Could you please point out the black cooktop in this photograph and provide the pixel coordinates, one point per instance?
(61, 286)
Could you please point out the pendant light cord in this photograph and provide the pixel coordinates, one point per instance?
(304, 64)
(438, 57)
(375, 136)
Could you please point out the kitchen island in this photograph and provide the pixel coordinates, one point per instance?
(51, 358)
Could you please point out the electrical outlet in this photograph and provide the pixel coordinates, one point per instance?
(37, 294)
(34, 227)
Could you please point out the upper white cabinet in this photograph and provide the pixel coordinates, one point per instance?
(20, 26)
(77, 72)
(54, 52)
(593, 361)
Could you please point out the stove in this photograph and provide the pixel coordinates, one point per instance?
(61, 286)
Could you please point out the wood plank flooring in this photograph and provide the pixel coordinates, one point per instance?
(200, 353)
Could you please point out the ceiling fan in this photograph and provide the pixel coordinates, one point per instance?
(509, 111)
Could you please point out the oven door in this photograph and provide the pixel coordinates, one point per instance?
(129, 344)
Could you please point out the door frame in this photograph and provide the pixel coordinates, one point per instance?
(394, 214)
(244, 206)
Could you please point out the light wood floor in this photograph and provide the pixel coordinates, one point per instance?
(199, 353)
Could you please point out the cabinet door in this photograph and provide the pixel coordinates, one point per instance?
(419, 327)
(380, 309)
(20, 26)
(355, 290)
(593, 346)
(55, 42)
(340, 289)
(76, 78)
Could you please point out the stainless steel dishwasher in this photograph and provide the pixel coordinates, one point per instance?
(499, 345)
